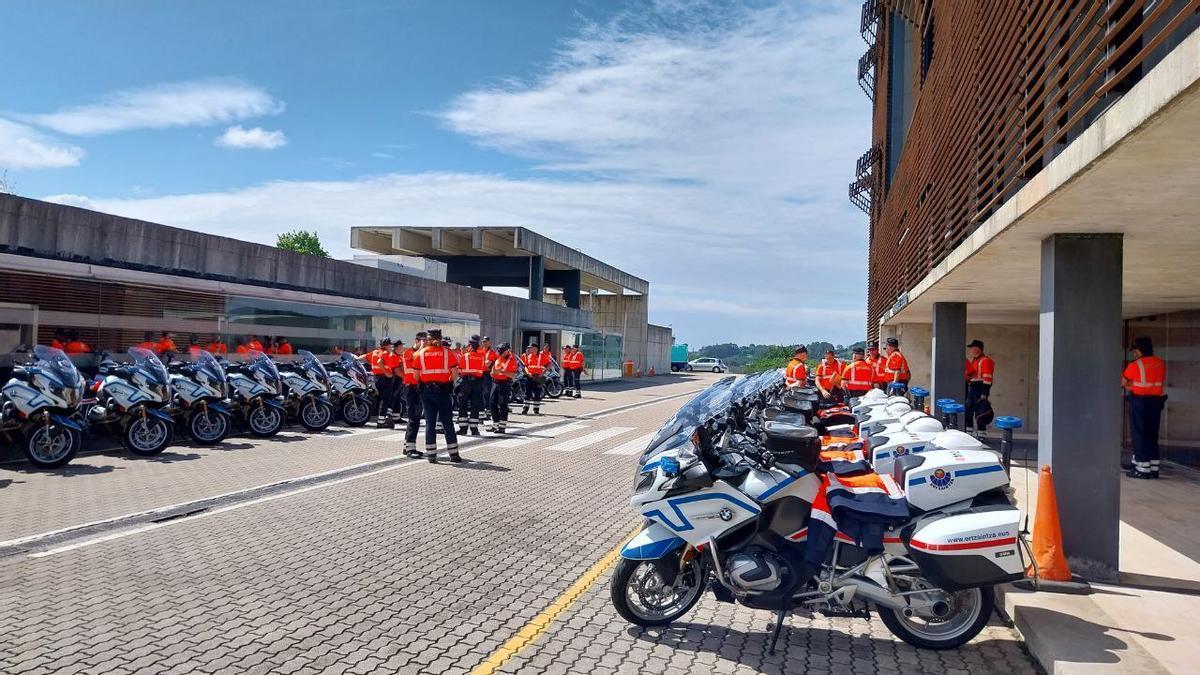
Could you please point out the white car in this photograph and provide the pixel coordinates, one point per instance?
(714, 365)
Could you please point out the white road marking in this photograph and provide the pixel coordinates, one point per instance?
(588, 439)
(537, 435)
(153, 526)
(633, 446)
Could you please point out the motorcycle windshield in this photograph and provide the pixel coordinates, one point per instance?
(58, 365)
(694, 414)
(210, 366)
(145, 360)
(351, 364)
(310, 363)
(262, 363)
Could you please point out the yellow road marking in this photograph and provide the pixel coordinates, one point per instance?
(541, 623)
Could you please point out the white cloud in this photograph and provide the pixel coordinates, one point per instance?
(22, 147)
(256, 138)
(200, 102)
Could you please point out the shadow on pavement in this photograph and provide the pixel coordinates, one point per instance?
(67, 471)
(477, 465)
(292, 437)
(1076, 640)
(1150, 582)
(227, 446)
(169, 457)
(796, 641)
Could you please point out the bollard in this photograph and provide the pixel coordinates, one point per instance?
(918, 395)
(941, 406)
(956, 412)
(1007, 424)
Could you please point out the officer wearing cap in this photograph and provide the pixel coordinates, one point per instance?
(981, 371)
(503, 370)
(856, 375)
(412, 395)
(471, 366)
(895, 367)
(1145, 382)
(437, 366)
(490, 356)
(796, 373)
(383, 379)
(878, 365)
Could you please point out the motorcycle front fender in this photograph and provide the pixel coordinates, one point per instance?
(362, 398)
(273, 403)
(161, 415)
(218, 408)
(66, 422)
(652, 543)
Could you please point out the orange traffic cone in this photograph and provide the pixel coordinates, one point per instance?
(1050, 563)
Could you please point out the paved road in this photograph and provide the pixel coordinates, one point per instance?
(395, 566)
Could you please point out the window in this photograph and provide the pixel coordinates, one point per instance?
(927, 47)
(901, 80)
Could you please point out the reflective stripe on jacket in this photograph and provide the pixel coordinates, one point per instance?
(1147, 376)
(981, 369)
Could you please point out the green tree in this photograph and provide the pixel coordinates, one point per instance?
(302, 241)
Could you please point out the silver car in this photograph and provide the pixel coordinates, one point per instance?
(710, 364)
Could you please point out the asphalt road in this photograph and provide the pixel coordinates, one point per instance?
(331, 553)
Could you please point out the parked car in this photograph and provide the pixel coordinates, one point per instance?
(715, 365)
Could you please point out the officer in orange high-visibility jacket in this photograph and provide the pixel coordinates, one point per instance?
(437, 366)
(829, 372)
(378, 359)
(878, 366)
(796, 372)
(1145, 381)
(981, 372)
(535, 363)
(412, 396)
(856, 375)
(503, 369)
(472, 365)
(896, 367)
(573, 363)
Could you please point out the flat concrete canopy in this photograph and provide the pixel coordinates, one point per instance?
(1134, 171)
(445, 243)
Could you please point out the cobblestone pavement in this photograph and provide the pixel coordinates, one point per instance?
(114, 483)
(411, 568)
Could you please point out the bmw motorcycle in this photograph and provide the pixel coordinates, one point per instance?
(348, 390)
(132, 401)
(306, 385)
(200, 399)
(728, 485)
(37, 407)
(254, 394)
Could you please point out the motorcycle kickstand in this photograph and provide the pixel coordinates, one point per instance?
(779, 619)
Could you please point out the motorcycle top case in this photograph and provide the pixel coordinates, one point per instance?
(936, 478)
(976, 547)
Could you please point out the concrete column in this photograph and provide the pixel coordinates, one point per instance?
(1079, 400)
(537, 278)
(948, 356)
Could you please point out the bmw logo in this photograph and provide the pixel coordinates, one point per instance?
(726, 515)
(901, 451)
(941, 479)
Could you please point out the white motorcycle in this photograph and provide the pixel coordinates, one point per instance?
(348, 387)
(254, 394)
(307, 398)
(727, 487)
(131, 402)
(200, 399)
(37, 405)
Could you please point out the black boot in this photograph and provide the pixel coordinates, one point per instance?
(455, 458)
(431, 458)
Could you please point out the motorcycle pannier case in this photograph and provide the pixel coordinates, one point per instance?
(977, 547)
(793, 444)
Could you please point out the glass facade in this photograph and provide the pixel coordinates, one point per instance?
(603, 353)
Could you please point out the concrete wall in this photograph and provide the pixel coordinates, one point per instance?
(41, 229)
(1015, 349)
(658, 348)
(626, 315)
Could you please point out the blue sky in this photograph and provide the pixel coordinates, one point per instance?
(704, 146)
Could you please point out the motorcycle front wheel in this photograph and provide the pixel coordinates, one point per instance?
(643, 598)
(264, 421)
(355, 412)
(554, 388)
(146, 435)
(208, 427)
(49, 447)
(316, 415)
(962, 615)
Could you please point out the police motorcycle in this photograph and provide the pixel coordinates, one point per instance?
(254, 394)
(552, 386)
(38, 406)
(199, 400)
(728, 493)
(133, 402)
(348, 389)
(306, 395)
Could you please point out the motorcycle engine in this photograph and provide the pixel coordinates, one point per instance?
(756, 570)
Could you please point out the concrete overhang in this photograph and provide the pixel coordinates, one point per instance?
(439, 242)
(1134, 171)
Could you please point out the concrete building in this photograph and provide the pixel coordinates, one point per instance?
(1032, 183)
(114, 279)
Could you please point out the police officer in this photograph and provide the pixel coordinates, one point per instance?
(535, 363)
(490, 356)
(856, 375)
(878, 366)
(829, 373)
(437, 366)
(503, 370)
(895, 368)
(471, 368)
(383, 380)
(1145, 381)
(981, 371)
(412, 396)
(796, 373)
(573, 363)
